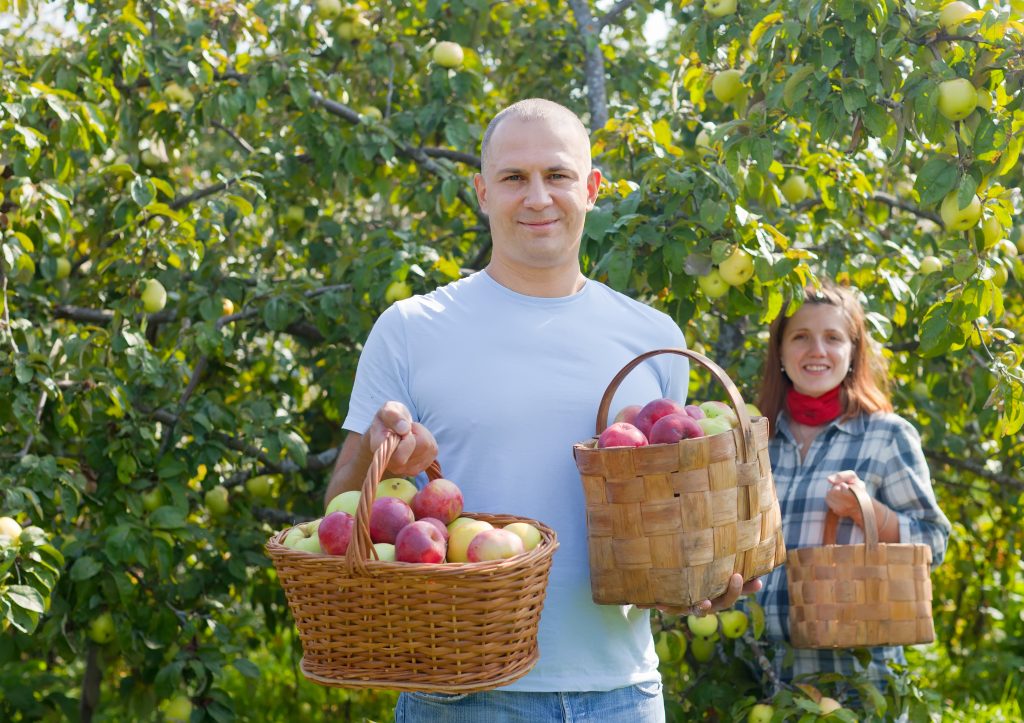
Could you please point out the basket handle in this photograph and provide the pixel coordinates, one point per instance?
(749, 451)
(867, 511)
(360, 546)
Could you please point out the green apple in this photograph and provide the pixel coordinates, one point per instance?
(828, 705)
(63, 268)
(396, 291)
(10, 527)
(760, 713)
(294, 535)
(727, 85)
(719, 8)
(957, 98)
(385, 551)
(930, 265)
(703, 141)
(398, 487)
(752, 410)
(952, 14)
(174, 93)
(24, 269)
(154, 297)
(308, 544)
(670, 645)
(703, 649)
(153, 498)
(716, 410)
(154, 154)
(702, 626)
(295, 215)
(346, 502)
(738, 268)
(991, 231)
(1000, 275)
(448, 54)
(259, 486)
(956, 218)
(178, 710)
(328, 9)
(101, 628)
(734, 623)
(713, 285)
(795, 188)
(353, 27)
(529, 534)
(216, 500)
(371, 112)
(1006, 247)
(311, 527)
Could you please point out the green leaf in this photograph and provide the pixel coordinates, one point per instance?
(84, 568)
(936, 178)
(167, 518)
(142, 191)
(26, 597)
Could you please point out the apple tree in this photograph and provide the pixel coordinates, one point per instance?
(204, 207)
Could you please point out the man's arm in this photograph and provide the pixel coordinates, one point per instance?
(414, 453)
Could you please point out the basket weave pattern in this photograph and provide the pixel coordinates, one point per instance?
(861, 595)
(669, 524)
(452, 628)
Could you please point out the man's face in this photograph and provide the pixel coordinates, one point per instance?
(536, 188)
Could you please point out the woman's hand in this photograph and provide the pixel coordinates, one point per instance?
(839, 499)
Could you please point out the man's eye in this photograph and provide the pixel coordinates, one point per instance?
(512, 177)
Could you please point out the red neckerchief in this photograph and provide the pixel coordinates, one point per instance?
(813, 411)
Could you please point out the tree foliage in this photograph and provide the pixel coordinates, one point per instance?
(284, 173)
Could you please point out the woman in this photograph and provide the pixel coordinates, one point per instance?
(826, 392)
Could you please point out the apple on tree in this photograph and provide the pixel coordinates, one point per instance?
(62, 268)
(957, 98)
(10, 527)
(448, 54)
(154, 296)
(702, 626)
(727, 85)
(952, 14)
(795, 188)
(101, 628)
(328, 9)
(178, 710)
(828, 705)
(760, 713)
(712, 284)
(216, 499)
(734, 623)
(396, 291)
(719, 8)
(957, 218)
(738, 268)
(703, 649)
(670, 645)
(930, 265)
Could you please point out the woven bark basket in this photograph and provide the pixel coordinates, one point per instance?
(862, 595)
(668, 524)
(443, 628)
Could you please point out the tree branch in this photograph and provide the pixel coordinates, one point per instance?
(974, 468)
(243, 144)
(612, 15)
(593, 62)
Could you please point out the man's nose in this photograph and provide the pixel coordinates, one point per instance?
(537, 195)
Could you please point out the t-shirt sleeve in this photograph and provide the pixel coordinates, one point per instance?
(907, 489)
(382, 373)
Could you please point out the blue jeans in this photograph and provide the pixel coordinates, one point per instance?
(642, 703)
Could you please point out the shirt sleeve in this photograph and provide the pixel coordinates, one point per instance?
(907, 489)
(382, 372)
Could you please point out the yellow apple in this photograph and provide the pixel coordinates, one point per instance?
(952, 14)
(398, 487)
(713, 285)
(984, 99)
(396, 291)
(10, 527)
(737, 269)
(957, 98)
(956, 218)
(154, 297)
(1000, 275)
(461, 536)
(828, 705)
(371, 112)
(227, 307)
(346, 502)
(63, 268)
(930, 265)
(727, 84)
(760, 713)
(719, 8)
(991, 231)
(529, 534)
(458, 522)
(795, 188)
(448, 54)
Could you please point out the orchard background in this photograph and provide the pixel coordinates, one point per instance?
(285, 172)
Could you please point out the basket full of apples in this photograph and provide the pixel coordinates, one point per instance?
(678, 497)
(398, 588)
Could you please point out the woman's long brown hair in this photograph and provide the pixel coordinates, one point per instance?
(865, 389)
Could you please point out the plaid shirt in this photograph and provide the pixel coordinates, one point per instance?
(885, 452)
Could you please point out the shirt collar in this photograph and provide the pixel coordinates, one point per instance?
(854, 425)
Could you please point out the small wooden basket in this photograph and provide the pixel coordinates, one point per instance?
(443, 628)
(669, 524)
(862, 595)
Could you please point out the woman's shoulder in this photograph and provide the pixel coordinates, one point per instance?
(891, 424)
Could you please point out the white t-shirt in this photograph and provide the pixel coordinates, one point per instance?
(507, 384)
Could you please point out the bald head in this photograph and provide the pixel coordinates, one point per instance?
(536, 109)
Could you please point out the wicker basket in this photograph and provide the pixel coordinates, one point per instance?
(447, 628)
(668, 524)
(863, 595)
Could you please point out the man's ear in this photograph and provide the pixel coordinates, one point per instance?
(593, 186)
(481, 191)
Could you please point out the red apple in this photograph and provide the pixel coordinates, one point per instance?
(443, 528)
(494, 544)
(440, 499)
(655, 410)
(627, 414)
(335, 531)
(694, 411)
(388, 515)
(621, 434)
(420, 541)
(673, 427)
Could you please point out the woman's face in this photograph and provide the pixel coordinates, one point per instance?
(816, 349)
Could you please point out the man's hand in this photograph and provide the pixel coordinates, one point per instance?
(417, 448)
(726, 600)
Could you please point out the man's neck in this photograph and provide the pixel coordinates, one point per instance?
(545, 283)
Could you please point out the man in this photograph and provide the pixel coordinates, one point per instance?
(497, 375)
